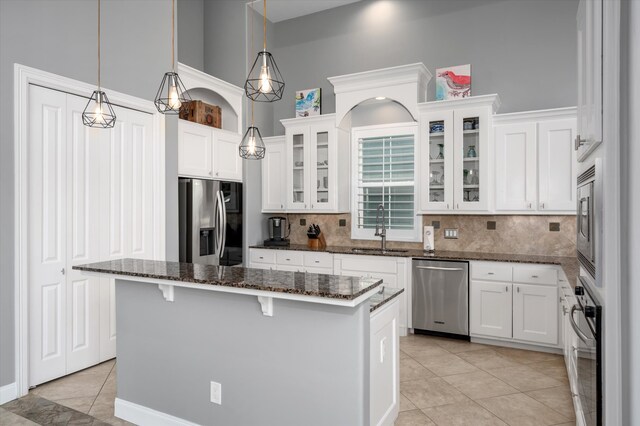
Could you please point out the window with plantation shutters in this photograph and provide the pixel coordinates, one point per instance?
(384, 167)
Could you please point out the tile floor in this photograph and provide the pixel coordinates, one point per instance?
(442, 382)
(451, 382)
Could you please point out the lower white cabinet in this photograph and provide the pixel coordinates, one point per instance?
(490, 308)
(394, 271)
(384, 365)
(515, 302)
(535, 313)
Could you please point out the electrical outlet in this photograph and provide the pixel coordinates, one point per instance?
(216, 393)
(451, 233)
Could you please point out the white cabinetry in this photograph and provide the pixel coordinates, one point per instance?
(518, 303)
(490, 309)
(317, 165)
(394, 271)
(384, 365)
(274, 175)
(535, 164)
(455, 155)
(208, 153)
(589, 76)
(535, 313)
(291, 260)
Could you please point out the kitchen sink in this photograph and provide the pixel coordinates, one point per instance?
(376, 250)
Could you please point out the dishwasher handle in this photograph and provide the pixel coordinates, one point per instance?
(439, 268)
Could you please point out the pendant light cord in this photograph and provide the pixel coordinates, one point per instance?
(173, 43)
(98, 44)
(264, 26)
(252, 51)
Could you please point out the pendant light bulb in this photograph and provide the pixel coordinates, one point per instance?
(252, 146)
(265, 80)
(174, 98)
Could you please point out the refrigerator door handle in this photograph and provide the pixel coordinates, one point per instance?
(223, 223)
(216, 221)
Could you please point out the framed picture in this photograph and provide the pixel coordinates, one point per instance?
(453, 82)
(307, 102)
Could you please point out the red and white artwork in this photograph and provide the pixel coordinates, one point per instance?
(453, 82)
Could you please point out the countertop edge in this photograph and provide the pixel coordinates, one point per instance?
(277, 293)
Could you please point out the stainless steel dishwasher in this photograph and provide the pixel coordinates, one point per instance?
(441, 297)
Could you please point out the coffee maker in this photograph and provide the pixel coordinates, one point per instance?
(278, 232)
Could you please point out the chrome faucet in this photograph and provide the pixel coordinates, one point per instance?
(381, 231)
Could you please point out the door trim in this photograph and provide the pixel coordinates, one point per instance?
(23, 77)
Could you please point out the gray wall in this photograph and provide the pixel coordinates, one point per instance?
(524, 50)
(191, 33)
(60, 37)
(273, 370)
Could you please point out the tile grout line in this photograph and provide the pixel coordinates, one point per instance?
(101, 387)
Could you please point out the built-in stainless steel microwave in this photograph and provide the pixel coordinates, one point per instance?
(586, 221)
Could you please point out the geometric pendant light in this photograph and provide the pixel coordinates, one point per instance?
(252, 146)
(172, 94)
(99, 112)
(264, 82)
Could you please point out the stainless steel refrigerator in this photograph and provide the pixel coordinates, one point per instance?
(210, 216)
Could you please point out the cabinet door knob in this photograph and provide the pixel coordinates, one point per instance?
(62, 271)
(489, 273)
(506, 289)
(457, 205)
(579, 142)
(530, 205)
(281, 206)
(542, 205)
(534, 276)
(217, 173)
(518, 289)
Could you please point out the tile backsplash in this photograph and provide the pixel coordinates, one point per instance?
(519, 234)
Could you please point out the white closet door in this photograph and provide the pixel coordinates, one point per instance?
(82, 238)
(47, 223)
(116, 202)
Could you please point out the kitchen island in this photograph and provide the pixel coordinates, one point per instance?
(284, 347)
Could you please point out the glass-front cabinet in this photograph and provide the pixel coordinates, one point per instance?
(454, 155)
(437, 155)
(471, 152)
(317, 165)
(298, 167)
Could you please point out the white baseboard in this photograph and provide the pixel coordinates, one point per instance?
(143, 416)
(516, 345)
(8, 393)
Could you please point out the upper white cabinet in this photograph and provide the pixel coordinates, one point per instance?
(317, 165)
(208, 153)
(535, 164)
(516, 176)
(456, 154)
(274, 175)
(589, 76)
(195, 150)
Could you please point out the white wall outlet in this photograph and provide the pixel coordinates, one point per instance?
(428, 239)
(451, 233)
(216, 393)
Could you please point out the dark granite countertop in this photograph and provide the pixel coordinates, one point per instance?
(380, 298)
(569, 264)
(318, 285)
